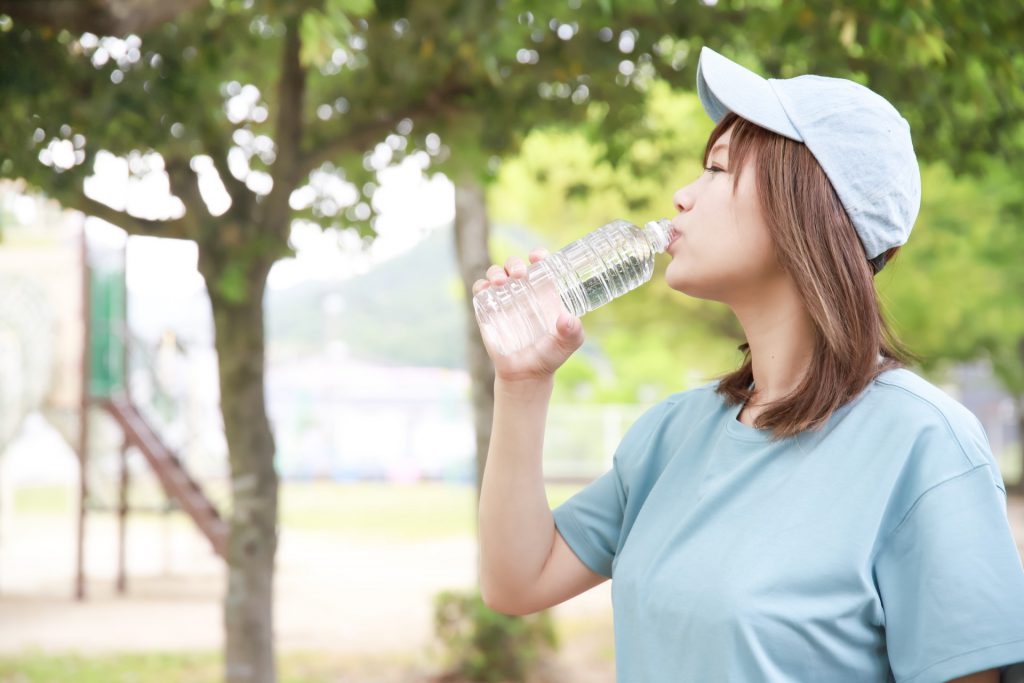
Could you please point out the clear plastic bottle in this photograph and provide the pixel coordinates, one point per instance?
(612, 260)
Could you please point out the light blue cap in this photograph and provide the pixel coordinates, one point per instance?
(859, 139)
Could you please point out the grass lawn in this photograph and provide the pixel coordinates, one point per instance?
(44, 501)
(203, 667)
(380, 510)
(135, 668)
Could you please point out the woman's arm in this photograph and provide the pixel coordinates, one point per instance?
(525, 565)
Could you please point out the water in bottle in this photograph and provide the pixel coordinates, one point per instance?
(588, 273)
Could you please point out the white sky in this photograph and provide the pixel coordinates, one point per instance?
(409, 205)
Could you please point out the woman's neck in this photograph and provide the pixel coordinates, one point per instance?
(780, 333)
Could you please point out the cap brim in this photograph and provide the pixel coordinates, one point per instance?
(724, 86)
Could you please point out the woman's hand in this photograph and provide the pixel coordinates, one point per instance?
(540, 360)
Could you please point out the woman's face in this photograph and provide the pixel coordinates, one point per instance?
(723, 251)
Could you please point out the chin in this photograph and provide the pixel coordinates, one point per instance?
(687, 287)
(677, 277)
(691, 285)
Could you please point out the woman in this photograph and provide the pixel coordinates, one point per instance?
(820, 514)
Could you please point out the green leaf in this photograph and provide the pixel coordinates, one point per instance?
(359, 8)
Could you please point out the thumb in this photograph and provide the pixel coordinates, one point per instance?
(562, 342)
(569, 329)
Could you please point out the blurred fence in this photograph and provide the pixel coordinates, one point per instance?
(348, 438)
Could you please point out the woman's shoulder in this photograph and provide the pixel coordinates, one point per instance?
(910, 398)
(672, 405)
(939, 437)
(672, 418)
(930, 437)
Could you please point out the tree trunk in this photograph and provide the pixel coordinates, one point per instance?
(1018, 486)
(1018, 404)
(248, 605)
(472, 230)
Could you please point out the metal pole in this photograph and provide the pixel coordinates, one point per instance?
(122, 510)
(122, 522)
(83, 418)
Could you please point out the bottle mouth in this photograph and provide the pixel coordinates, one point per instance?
(662, 233)
(673, 235)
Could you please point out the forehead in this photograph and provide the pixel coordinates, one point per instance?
(722, 143)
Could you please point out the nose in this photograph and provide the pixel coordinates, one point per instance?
(683, 198)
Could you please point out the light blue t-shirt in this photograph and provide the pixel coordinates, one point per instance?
(875, 550)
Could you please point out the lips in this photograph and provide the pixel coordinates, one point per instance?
(673, 237)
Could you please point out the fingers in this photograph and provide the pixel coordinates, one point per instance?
(538, 254)
(497, 275)
(494, 275)
(514, 267)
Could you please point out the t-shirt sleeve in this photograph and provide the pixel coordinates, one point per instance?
(951, 583)
(591, 521)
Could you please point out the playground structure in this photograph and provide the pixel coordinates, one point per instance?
(107, 386)
(67, 351)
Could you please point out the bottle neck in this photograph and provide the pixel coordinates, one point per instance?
(658, 234)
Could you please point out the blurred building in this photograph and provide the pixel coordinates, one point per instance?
(339, 419)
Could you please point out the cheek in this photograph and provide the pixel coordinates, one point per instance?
(736, 257)
(748, 239)
(707, 268)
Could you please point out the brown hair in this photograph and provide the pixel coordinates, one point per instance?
(816, 243)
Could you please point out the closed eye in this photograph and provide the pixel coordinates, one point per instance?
(714, 169)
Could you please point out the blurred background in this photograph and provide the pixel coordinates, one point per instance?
(245, 406)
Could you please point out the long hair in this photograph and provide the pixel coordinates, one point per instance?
(816, 243)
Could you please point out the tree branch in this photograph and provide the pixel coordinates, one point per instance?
(185, 185)
(177, 228)
(240, 194)
(288, 128)
(360, 137)
(104, 18)
(213, 137)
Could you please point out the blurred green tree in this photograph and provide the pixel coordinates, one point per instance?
(279, 104)
(276, 101)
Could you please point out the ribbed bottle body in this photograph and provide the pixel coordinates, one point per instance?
(582, 276)
(521, 311)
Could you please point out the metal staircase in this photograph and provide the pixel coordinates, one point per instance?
(173, 476)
